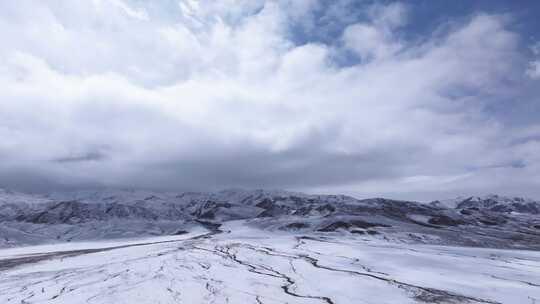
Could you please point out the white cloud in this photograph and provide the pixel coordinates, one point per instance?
(140, 14)
(533, 71)
(535, 48)
(376, 40)
(390, 16)
(227, 98)
(369, 42)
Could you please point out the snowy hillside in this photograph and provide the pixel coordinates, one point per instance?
(241, 264)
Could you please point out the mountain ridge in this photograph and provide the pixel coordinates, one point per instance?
(490, 221)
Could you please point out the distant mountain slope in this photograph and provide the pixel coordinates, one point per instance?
(490, 221)
(494, 203)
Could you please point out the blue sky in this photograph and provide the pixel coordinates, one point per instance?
(405, 99)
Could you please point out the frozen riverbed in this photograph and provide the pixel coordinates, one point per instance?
(246, 265)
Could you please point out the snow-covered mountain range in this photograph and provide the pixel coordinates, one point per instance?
(493, 202)
(490, 221)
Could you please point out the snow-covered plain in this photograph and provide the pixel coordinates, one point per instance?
(241, 264)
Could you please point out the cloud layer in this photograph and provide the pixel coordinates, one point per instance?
(206, 95)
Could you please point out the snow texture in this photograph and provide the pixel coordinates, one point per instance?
(239, 246)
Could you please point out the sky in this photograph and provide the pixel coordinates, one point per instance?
(412, 100)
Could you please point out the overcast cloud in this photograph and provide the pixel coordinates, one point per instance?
(203, 95)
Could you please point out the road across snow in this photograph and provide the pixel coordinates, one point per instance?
(247, 265)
